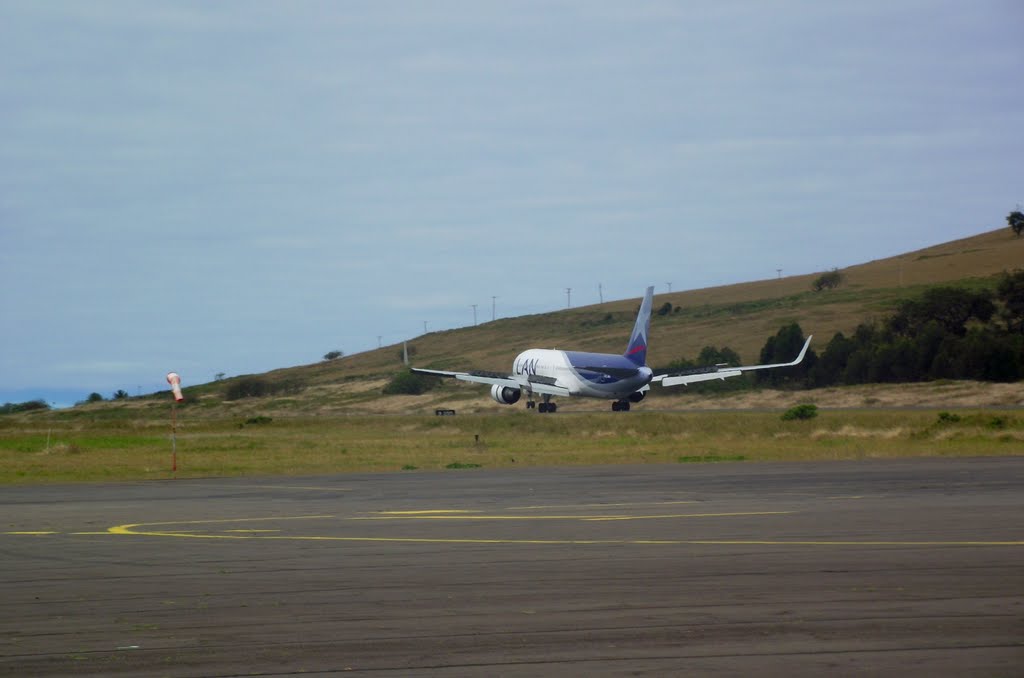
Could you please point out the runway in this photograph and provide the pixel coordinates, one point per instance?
(878, 567)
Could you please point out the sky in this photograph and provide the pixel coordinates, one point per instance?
(235, 187)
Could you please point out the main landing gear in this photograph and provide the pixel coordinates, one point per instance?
(620, 406)
(545, 407)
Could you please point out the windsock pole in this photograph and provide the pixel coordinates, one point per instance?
(175, 381)
(174, 437)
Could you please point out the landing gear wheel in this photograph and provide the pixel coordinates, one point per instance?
(620, 406)
(545, 408)
(530, 404)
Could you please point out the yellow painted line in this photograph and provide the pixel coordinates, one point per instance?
(293, 487)
(692, 515)
(559, 506)
(32, 533)
(143, 529)
(420, 513)
(127, 529)
(797, 542)
(583, 517)
(87, 533)
(570, 542)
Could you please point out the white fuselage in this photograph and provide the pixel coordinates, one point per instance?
(568, 369)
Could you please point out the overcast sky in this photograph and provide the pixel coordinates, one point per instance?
(240, 186)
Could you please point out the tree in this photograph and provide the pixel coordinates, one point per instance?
(1016, 221)
(120, 394)
(1011, 293)
(333, 355)
(709, 355)
(829, 369)
(27, 406)
(827, 281)
(94, 398)
(782, 348)
(951, 307)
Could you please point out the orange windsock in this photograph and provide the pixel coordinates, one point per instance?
(175, 381)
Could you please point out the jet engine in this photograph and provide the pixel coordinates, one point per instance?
(506, 395)
(637, 397)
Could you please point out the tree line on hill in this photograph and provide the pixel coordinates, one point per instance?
(946, 333)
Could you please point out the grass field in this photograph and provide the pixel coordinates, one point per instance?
(38, 450)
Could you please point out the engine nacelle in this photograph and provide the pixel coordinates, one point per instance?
(637, 397)
(506, 395)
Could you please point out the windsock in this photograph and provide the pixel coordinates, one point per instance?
(175, 381)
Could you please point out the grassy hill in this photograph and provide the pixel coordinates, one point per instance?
(741, 316)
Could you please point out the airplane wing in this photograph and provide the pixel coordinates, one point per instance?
(686, 377)
(530, 384)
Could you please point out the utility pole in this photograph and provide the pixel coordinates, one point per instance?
(779, 271)
(474, 314)
(378, 341)
(424, 327)
(493, 298)
(600, 293)
(568, 297)
(669, 287)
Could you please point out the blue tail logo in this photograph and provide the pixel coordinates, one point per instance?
(636, 351)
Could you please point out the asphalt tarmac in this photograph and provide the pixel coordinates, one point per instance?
(907, 567)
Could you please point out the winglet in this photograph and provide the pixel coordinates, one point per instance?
(803, 351)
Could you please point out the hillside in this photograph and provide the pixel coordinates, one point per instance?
(740, 316)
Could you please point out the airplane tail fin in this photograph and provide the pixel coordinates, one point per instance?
(637, 349)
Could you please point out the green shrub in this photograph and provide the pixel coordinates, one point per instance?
(247, 387)
(802, 411)
(408, 382)
(28, 406)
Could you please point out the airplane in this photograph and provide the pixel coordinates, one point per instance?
(623, 379)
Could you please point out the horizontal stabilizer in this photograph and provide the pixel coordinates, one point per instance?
(617, 372)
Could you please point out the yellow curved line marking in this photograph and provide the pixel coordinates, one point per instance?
(132, 529)
(127, 529)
